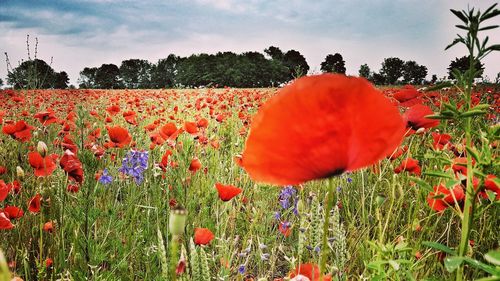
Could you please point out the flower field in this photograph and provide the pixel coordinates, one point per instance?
(89, 180)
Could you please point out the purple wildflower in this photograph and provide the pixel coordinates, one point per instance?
(105, 178)
(134, 165)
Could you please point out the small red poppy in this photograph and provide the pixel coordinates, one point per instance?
(318, 127)
(72, 165)
(119, 137)
(409, 165)
(442, 197)
(311, 271)
(195, 165)
(13, 212)
(191, 127)
(227, 192)
(20, 130)
(35, 204)
(203, 236)
(5, 223)
(415, 117)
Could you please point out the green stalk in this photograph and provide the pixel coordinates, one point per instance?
(324, 245)
(174, 248)
(468, 213)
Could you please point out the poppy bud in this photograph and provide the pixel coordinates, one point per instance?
(300, 207)
(177, 220)
(19, 172)
(42, 148)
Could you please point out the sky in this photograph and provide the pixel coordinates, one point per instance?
(74, 34)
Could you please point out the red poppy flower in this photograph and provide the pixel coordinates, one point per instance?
(227, 192)
(442, 197)
(415, 117)
(48, 262)
(409, 165)
(113, 110)
(5, 223)
(440, 140)
(397, 152)
(168, 130)
(285, 229)
(490, 184)
(48, 227)
(164, 159)
(4, 190)
(72, 165)
(130, 117)
(321, 126)
(195, 165)
(119, 137)
(202, 123)
(13, 212)
(203, 236)
(191, 127)
(46, 117)
(34, 204)
(19, 131)
(44, 166)
(73, 188)
(311, 271)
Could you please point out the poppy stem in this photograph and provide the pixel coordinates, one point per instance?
(174, 248)
(324, 245)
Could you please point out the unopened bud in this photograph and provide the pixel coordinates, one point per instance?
(20, 172)
(42, 148)
(177, 220)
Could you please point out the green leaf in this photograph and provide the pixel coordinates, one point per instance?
(488, 27)
(488, 11)
(439, 246)
(460, 15)
(438, 174)
(452, 263)
(473, 153)
(462, 27)
(394, 264)
(494, 47)
(438, 116)
(484, 267)
(482, 106)
(493, 257)
(423, 184)
(472, 112)
(451, 183)
(490, 15)
(457, 40)
(439, 86)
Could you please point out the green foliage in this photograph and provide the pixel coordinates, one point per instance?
(36, 74)
(136, 73)
(462, 64)
(333, 63)
(392, 69)
(364, 71)
(414, 73)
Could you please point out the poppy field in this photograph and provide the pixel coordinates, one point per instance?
(90, 178)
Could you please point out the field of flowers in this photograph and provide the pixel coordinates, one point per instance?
(89, 180)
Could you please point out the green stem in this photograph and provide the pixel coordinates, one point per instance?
(174, 248)
(324, 245)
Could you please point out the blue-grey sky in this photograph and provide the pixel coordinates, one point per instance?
(80, 33)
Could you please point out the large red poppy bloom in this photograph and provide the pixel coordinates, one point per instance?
(321, 126)
(415, 117)
(227, 192)
(443, 197)
(19, 131)
(44, 166)
(46, 117)
(13, 212)
(203, 236)
(72, 165)
(119, 137)
(5, 223)
(311, 271)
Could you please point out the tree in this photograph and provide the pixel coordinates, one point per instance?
(1, 82)
(136, 73)
(333, 63)
(108, 77)
(364, 71)
(462, 65)
(163, 73)
(296, 63)
(61, 80)
(414, 73)
(378, 79)
(87, 78)
(434, 78)
(32, 74)
(275, 53)
(392, 70)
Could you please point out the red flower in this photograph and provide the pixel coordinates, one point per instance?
(34, 204)
(13, 212)
(168, 130)
(164, 159)
(440, 140)
(48, 227)
(44, 166)
(113, 110)
(72, 165)
(285, 228)
(191, 127)
(227, 192)
(48, 262)
(19, 131)
(130, 117)
(4, 190)
(3, 170)
(5, 223)
(490, 184)
(311, 271)
(203, 236)
(195, 165)
(202, 123)
(415, 117)
(321, 126)
(442, 197)
(73, 188)
(409, 165)
(46, 117)
(119, 137)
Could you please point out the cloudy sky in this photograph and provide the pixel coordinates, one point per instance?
(80, 33)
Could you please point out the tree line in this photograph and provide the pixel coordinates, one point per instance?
(248, 69)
